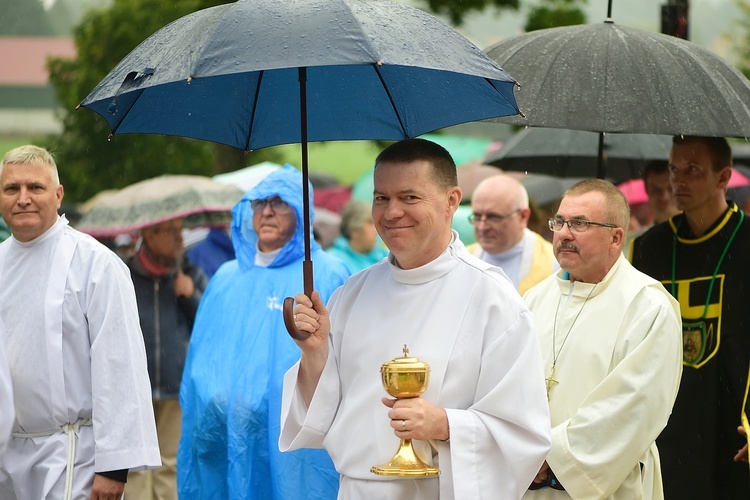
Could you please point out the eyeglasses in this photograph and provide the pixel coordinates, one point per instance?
(490, 218)
(577, 225)
(277, 205)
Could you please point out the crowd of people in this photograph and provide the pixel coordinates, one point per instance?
(583, 363)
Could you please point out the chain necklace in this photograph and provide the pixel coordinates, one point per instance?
(556, 353)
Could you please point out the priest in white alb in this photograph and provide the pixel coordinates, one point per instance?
(483, 419)
(611, 340)
(7, 410)
(74, 345)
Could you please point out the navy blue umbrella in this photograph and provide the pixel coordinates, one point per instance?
(259, 73)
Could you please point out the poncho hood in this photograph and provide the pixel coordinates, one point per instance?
(286, 183)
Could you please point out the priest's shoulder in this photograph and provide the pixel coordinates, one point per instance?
(473, 263)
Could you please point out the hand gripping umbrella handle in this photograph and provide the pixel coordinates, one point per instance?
(307, 276)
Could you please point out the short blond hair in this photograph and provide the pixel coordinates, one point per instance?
(616, 206)
(33, 155)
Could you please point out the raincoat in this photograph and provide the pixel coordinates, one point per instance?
(238, 354)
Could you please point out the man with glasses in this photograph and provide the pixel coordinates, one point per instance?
(611, 347)
(239, 352)
(168, 288)
(500, 216)
(701, 257)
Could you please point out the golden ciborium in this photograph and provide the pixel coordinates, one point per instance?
(405, 377)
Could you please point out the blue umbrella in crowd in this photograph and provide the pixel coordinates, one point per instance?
(259, 73)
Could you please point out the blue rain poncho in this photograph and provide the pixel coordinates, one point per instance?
(238, 354)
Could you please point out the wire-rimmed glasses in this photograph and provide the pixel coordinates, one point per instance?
(577, 225)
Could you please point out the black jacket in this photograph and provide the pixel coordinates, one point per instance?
(166, 322)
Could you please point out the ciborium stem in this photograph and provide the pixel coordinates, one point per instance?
(405, 463)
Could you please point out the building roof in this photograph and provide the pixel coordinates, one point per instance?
(23, 59)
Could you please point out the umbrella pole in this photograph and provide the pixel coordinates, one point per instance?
(307, 265)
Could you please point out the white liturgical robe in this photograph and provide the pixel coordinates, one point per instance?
(7, 412)
(462, 317)
(76, 352)
(618, 351)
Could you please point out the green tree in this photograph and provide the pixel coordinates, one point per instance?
(741, 40)
(554, 13)
(456, 11)
(88, 161)
(547, 14)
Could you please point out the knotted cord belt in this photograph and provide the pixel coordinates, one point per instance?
(70, 429)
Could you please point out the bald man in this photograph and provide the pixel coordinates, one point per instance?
(500, 216)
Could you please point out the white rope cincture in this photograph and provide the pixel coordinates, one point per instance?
(71, 429)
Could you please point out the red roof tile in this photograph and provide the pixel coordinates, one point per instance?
(23, 59)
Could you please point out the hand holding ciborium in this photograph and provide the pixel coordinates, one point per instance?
(405, 377)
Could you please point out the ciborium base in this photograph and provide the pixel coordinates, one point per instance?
(405, 463)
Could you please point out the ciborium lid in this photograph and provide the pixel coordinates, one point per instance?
(406, 363)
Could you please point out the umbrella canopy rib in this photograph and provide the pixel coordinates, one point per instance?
(256, 98)
(390, 98)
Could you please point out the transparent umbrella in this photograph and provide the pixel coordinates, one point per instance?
(199, 200)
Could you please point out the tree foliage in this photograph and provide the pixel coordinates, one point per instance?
(554, 13)
(88, 161)
(546, 14)
(742, 41)
(456, 11)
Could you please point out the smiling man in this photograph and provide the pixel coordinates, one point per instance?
(483, 419)
(701, 257)
(74, 346)
(610, 341)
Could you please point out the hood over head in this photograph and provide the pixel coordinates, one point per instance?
(286, 183)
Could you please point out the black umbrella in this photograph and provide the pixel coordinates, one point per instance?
(258, 73)
(573, 153)
(611, 78)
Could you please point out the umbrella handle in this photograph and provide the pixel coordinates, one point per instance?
(294, 332)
